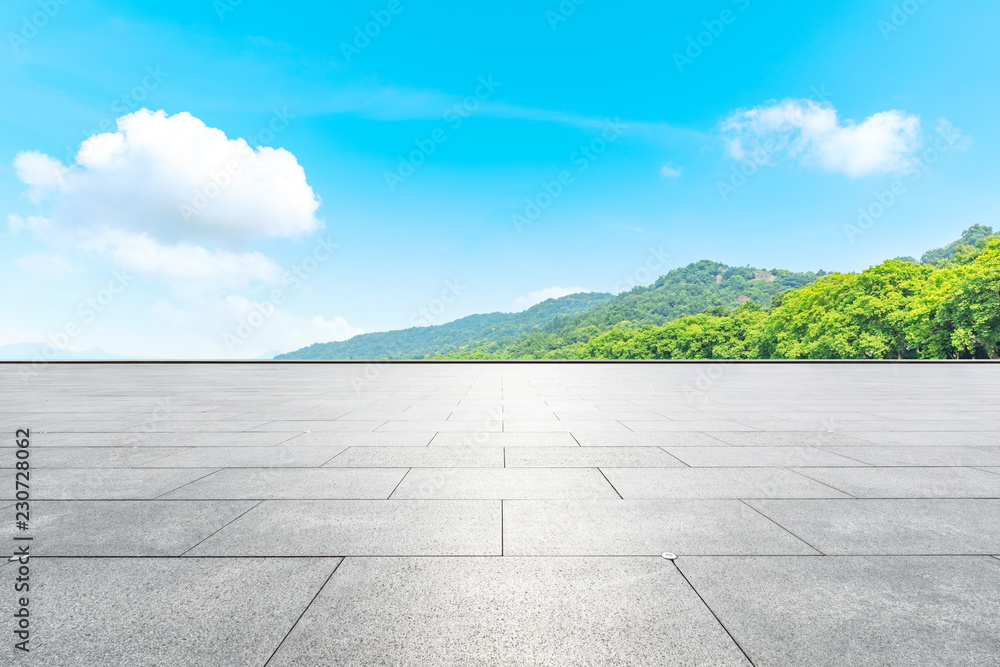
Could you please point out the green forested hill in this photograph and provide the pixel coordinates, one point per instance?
(944, 309)
(701, 287)
(421, 342)
(946, 305)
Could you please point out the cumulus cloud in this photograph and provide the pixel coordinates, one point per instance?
(669, 171)
(169, 197)
(524, 302)
(173, 177)
(812, 132)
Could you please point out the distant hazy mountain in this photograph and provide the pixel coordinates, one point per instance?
(421, 342)
(34, 351)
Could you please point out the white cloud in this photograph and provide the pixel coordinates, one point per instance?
(34, 223)
(172, 177)
(524, 302)
(45, 266)
(669, 171)
(883, 143)
(184, 261)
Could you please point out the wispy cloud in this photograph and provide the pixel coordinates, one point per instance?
(392, 103)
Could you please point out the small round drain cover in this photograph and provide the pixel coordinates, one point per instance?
(669, 556)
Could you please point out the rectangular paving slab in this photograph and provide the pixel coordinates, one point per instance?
(419, 457)
(758, 457)
(483, 439)
(109, 483)
(361, 528)
(675, 439)
(888, 455)
(509, 611)
(589, 457)
(635, 483)
(949, 482)
(125, 527)
(641, 528)
(294, 483)
(331, 439)
(504, 483)
(156, 611)
(890, 527)
(248, 457)
(855, 610)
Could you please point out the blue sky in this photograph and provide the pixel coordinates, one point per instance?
(647, 112)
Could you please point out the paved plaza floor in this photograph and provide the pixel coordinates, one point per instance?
(505, 514)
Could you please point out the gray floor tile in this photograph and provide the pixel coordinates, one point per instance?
(678, 439)
(181, 612)
(786, 439)
(758, 457)
(889, 455)
(399, 426)
(94, 457)
(589, 457)
(636, 483)
(890, 527)
(690, 425)
(503, 440)
(909, 482)
(641, 528)
(327, 439)
(855, 610)
(126, 527)
(594, 611)
(248, 457)
(504, 483)
(215, 426)
(944, 439)
(361, 528)
(160, 439)
(317, 426)
(108, 483)
(602, 426)
(294, 483)
(419, 457)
